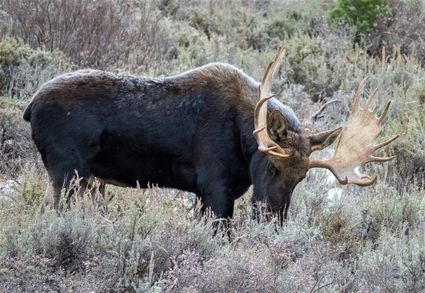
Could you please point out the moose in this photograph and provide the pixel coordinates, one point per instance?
(212, 130)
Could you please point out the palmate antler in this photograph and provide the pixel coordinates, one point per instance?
(355, 147)
(265, 143)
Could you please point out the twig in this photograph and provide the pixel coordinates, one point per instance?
(314, 117)
(318, 280)
(323, 286)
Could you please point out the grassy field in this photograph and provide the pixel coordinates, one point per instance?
(336, 239)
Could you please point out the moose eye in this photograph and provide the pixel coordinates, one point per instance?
(273, 171)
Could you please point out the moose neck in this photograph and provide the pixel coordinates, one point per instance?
(250, 146)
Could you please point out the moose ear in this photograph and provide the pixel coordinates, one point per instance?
(323, 139)
(277, 126)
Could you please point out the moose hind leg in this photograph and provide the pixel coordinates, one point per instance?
(51, 197)
(69, 173)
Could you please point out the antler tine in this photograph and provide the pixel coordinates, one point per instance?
(359, 92)
(378, 146)
(367, 182)
(369, 99)
(265, 143)
(257, 112)
(270, 71)
(355, 147)
(358, 181)
(384, 113)
(379, 159)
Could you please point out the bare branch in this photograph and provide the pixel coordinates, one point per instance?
(315, 115)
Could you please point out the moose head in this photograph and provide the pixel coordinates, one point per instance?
(282, 160)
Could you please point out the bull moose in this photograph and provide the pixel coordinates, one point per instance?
(212, 130)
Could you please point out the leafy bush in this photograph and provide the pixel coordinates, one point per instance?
(360, 13)
(399, 29)
(16, 146)
(396, 264)
(23, 70)
(288, 21)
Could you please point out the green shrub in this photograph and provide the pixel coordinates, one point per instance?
(23, 70)
(360, 13)
(16, 146)
(288, 20)
(396, 263)
(399, 29)
(67, 240)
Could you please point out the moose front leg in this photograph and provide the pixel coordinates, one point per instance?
(215, 195)
(215, 199)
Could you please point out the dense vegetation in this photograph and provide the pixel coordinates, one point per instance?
(337, 238)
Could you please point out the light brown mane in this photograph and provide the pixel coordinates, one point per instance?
(225, 79)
